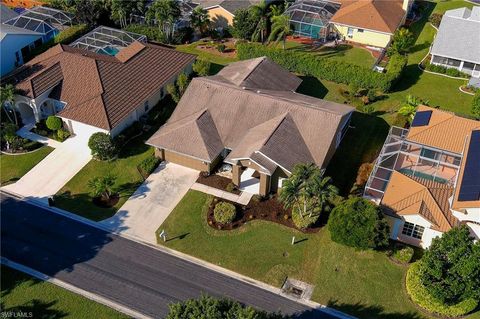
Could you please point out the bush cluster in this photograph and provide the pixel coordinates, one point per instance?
(424, 299)
(149, 164)
(476, 105)
(403, 254)
(62, 134)
(303, 221)
(327, 69)
(435, 19)
(443, 70)
(224, 212)
(152, 32)
(54, 123)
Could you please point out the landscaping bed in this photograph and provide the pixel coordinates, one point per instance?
(41, 129)
(218, 182)
(269, 209)
(215, 47)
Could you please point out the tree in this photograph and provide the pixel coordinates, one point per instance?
(409, 107)
(166, 13)
(476, 105)
(54, 123)
(201, 67)
(244, 23)
(88, 11)
(102, 146)
(207, 307)
(403, 40)
(120, 9)
(450, 267)
(177, 89)
(280, 29)
(200, 20)
(102, 186)
(359, 223)
(7, 97)
(261, 10)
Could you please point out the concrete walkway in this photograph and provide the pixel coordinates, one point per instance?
(25, 133)
(152, 202)
(242, 199)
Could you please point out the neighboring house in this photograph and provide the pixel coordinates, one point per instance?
(21, 33)
(457, 43)
(95, 92)
(222, 12)
(23, 3)
(427, 178)
(367, 22)
(249, 116)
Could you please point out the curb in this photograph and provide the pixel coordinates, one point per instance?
(185, 257)
(71, 288)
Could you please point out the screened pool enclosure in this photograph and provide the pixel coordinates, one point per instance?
(311, 18)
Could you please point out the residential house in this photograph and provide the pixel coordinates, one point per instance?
(222, 12)
(250, 117)
(457, 43)
(103, 82)
(24, 3)
(427, 178)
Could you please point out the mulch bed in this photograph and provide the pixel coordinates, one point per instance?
(101, 202)
(218, 182)
(267, 209)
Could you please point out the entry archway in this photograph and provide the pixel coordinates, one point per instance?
(26, 112)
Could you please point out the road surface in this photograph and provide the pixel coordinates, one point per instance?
(136, 276)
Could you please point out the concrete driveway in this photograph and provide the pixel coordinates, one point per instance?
(152, 202)
(54, 171)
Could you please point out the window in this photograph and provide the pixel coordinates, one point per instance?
(350, 32)
(413, 230)
(360, 30)
(146, 106)
(17, 57)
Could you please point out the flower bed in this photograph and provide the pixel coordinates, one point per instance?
(218, 182)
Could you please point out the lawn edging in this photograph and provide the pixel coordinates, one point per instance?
(183, 256)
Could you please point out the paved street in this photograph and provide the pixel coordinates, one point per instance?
(134, 275)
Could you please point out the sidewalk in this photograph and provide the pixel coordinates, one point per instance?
(25, 133)
(242, 199)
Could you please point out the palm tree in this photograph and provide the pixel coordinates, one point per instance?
(200, 19)
(321, 193)
(102, 186)
(7, 97)
(119, 10)
(166, 12)
(276, 10)
(280, 29)
(260, 10)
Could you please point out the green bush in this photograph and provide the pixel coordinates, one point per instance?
(149, 164)
(152, 32)
(221, 47)
(303, 221)
(202, 67)
(54, 123)
(435, 19)
(230, 187)
(341, 72)
(102, 146)
(224, 212)
(62, 134)
(359, 223)
(476, 105)
(403, 254)
(420, 295)
(443, 70)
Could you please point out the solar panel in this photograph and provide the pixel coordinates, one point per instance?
(470, 187)
(422, 118)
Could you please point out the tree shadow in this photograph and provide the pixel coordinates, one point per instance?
(371, 311)
(410, 76)
(312, 86)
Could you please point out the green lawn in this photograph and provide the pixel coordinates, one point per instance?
(218, 60)
(13, 167)
(21, 292)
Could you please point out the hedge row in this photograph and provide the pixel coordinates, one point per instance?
(422, 297)
(152, 33)
(448, 71)
(327, 69)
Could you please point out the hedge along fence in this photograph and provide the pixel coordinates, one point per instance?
(327, 69)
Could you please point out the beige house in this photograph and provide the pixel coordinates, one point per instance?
(250, 117)
(222, 12)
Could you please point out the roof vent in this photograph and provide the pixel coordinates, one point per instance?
(258, 91)
(244, 87)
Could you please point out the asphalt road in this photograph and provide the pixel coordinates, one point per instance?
(134, 275)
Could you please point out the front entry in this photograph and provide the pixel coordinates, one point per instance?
(250, 181)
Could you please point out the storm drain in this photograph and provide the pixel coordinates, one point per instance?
(298, 289)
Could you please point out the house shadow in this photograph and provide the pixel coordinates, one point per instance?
(371, 311)
(313, 87)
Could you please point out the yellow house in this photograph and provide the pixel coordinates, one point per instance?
(221, 12)
(370, 22)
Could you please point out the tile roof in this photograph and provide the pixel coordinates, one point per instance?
(378, 15)
(445, 131)
(283, 126)
(101, 90)
(406, 195)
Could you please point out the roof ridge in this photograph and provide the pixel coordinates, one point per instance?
(41, 72)
(104, 107)
(262, 59)
(283, 116)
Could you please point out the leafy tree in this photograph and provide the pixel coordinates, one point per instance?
(244, 23)
(261, 10)
(202, 67)
(7, 96)
(403, 40)
(54, 123)
(9, 134)
(359, 223)
(177, 89)
(166, 13)
(276, 9)
(450, 268)
(280, 29)
(88, 11)
(307, 194)
(409, 107)
(102, 186)
(200, 20)
(207, 307)
(102, 146)
(476, 105)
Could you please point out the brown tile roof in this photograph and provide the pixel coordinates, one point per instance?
(407, 195)
(288, 127)
(444, 131)
(378, 15)
(101, 90)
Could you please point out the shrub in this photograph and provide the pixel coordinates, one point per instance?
(420, 295)
(54, 123)
(358, 223)
(149, 164)
(364, 173)
(62, 134)
(403, 253)
(102, 146)
(221, 47)
(202, 67)
(340, 72)
(402, 41)
(224, 212)
(476, 105)
(102, 186)
(303, 221)
(435, 19)
(230, 187)
(152, 32)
